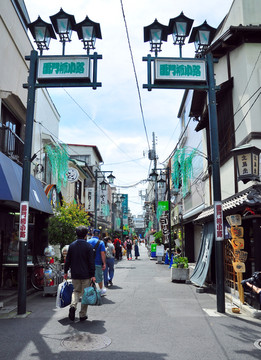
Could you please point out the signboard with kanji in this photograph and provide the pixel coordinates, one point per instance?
(175, 69)
(63, 67)
(23, 222)
(218, 220)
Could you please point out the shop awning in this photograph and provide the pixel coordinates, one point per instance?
(237, 202)
(11, 185)
(201, 269)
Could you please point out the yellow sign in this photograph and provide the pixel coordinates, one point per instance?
(237, 231)
(238, 243)
(239, 266)
(240, 255)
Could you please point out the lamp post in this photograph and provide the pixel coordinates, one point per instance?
(161, 182)
(166, 77)
(42, 33)
(116, 201)
(103, 185)
(154, 177)
(155, 33)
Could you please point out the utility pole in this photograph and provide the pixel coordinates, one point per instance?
(156, 183)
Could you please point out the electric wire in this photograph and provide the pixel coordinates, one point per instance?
(99, 127)
(135, 74)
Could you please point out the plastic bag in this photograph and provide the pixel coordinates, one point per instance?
(64, 294)
(91, 296)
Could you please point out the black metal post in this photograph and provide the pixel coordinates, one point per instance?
(169, 202)
(22, 266)
(95, 199)
(213, 126)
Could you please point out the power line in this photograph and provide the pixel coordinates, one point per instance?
(135, 74)
(103, 131)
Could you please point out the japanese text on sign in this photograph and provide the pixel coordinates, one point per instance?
(63, 68)
(180, 70)
(218, 221)
(23, 225)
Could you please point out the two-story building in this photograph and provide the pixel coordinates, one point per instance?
(237, 48)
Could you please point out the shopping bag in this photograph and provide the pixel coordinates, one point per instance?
(91, 296)
(64, 294)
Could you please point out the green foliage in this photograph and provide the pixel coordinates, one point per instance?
(180, 262)
(58, 158)
(61, 227)
(158, 237)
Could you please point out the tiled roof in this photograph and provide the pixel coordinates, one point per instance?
(233, 202)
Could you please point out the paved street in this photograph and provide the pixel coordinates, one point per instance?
(144, 316)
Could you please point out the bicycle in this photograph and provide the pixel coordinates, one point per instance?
(37, 276)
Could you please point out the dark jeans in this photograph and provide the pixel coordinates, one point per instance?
(109, 271)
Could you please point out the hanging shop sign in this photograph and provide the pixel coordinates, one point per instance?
(23, 222)
(164, 222)
(89, 200)
(239, 256)
(172, 69)
(63, 67)
(72, 175)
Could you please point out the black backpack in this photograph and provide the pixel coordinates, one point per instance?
(129, 246)
(95, 248)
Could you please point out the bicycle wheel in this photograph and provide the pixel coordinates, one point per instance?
(37, 277)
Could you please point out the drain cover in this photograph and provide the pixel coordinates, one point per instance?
(86, 342)
(258, 344)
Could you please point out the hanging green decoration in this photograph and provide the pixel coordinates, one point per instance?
(58, 158)
(182, 169)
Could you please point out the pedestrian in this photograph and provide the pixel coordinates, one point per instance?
(136, 248)
(100, 259)
(118, 250)
(109, 271)
(129, 248)
(80, 260)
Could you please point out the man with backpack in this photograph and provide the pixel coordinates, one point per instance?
(80, 260)
(129, 248)
(100, 259)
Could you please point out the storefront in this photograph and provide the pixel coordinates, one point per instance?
(248, 205)
(40, 210)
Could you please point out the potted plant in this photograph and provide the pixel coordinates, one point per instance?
(180, 269)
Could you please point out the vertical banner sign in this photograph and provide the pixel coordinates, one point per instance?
(23, 225)
(103, 202)
(218, 213)
(90, 199)
(164, 222)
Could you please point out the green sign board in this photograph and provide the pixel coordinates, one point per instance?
(163, 206)
(63, 67)
(153, 247)
(175, 69)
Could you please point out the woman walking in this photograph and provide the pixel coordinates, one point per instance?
(109, 271)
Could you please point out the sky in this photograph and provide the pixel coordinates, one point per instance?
(110, 117)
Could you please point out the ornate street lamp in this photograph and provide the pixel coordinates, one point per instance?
(247, 163)
(88, 31)
(161, 183)
(155, 34)
(63, 24)
(180, 27)
(154, 175)
(42, 33)
(111, 179)
(202, 36)
(103, 185)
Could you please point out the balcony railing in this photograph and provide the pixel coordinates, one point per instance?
(11, 145)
